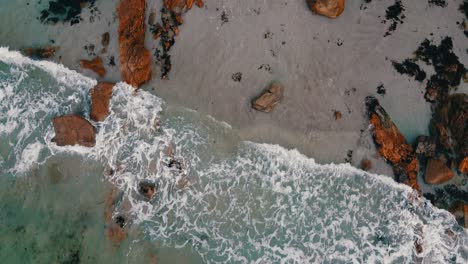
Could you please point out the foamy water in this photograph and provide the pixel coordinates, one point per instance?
(241, 202)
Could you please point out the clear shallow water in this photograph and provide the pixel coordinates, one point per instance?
(244, 202)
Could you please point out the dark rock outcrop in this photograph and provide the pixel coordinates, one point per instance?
(135, 59)
(328, 8)
(392, 144)
(437, 172)
(73, 130)
(267, 101)
(100, 98)
(94, 65)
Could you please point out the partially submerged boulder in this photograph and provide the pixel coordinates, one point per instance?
(267, 101)
(392, 144)
(135, 59)
(100, 99)
(463, 166)
(328, 8)
(73, 130)
(437, 172)
(94, 65)
(148, 189)
(40, 53)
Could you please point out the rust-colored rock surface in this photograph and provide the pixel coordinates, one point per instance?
(40, 53)
(463, 166)
(392, 145)
(135, 59)
(328, 8)
(73, 130)
(100, 99)
(95, 65)
(437, 172)
(267, 101)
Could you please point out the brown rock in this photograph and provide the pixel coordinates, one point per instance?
(392, 144)
(100, 98)
(328, 8)
(463, 167)
(94, 65)
(366, 164)
(105, 39)
(135, 59)
(337, 115)
(148, 189)
(40, 53)
(269, 99)
(437, 172)
(73, 130)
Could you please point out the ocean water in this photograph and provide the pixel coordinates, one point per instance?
(230, 201)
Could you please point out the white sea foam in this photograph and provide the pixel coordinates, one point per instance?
(261, 204)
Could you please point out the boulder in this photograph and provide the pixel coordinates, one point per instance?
(366, 164)
(425, 147)
(100, 99)
(392, 145)
(94, 65)
(73, 130)
(463, 166)
(135, 59)
(267, 101)
(328, 8)
(40, 53)
(148, 189)
(437, 172)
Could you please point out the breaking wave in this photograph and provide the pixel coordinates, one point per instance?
(228, 201)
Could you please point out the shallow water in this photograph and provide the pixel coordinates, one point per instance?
(239, 201)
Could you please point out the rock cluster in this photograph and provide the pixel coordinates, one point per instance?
(73, 130)
(328, 8)
(392, 144)
(171, 20)
(94, 65)
(267, 101)
(135, 59)
(40, 53)
(100, 99)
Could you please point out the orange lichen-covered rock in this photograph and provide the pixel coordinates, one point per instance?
(95, 65)
(100, 98)
(267, 101)
(437, 172)
(73, 130)
(135, 59)
(392, 144)
(328, 8)
(463, 167)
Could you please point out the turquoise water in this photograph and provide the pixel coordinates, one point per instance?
(232, 201)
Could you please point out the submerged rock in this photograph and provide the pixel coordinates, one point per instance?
(94, 65)
(392, 144)
(105, 39)
(100, 98)
(437, 172)
(267, 101)
(148, 189)
(40, 53)
(328, 8)
(73, 130)
(135, 59)
(366, 164)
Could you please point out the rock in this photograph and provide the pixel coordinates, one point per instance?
(337, 115)
(425, 147)
(437, 172)
(73, 130)
(135, 59)
(328, 8)
(94, 65)
(105, 39)
(269, 99)
(457, 117)
(460, 212)
(40, 53)
(100, 98)
(148, 189)
(418, 247)
(115, 234)
(366, 164)
(463, 166)
(392, 145)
